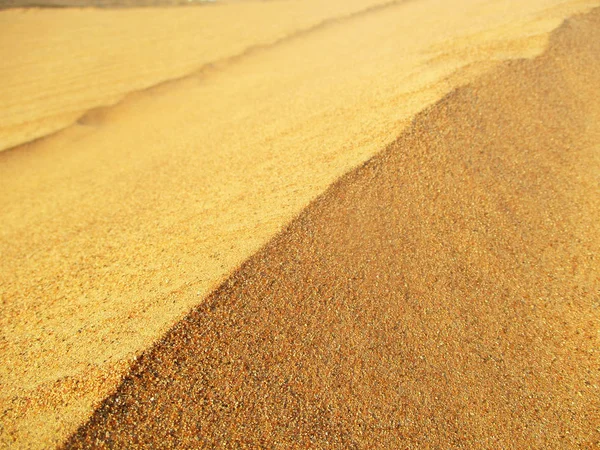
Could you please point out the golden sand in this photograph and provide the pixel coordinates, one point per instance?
(57, 64)
(114, 228)
(444, 295)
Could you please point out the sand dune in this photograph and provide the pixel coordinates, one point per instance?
(115, 227)
(57, 64)
(100, 3)
(443, 295)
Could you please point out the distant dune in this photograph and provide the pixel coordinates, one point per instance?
(60, 63)
(442, 294)
(97, 3)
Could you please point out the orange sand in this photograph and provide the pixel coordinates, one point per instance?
(444, 295)
(115, 227)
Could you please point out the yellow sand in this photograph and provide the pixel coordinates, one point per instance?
(56, 64)
(109, 223)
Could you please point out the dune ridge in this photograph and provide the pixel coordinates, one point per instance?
(35, 108)
(444, 294)
(126, 223)
(91, 116)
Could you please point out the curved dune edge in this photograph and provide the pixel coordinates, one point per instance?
(88, 259)
(37, 106)
(443, 294)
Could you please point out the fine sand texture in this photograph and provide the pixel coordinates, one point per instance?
(443, 295)
(57, 64)
(131, 213)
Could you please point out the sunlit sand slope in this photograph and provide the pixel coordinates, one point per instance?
(57, 64)
(115, 227)
(103, 3)
(444, 295)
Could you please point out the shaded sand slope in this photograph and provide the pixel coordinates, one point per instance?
(57, 64)
(116, 227)
(443, 295)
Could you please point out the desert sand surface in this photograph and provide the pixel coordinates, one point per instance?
(447, 290)
(5, 4)
(442, 295)
(58, 64)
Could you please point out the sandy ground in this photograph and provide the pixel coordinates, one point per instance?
(115, 227)
(443, 295)
(103, 3)
(58, 64)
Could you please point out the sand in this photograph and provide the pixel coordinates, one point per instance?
(102, 3)
(443, 295)
(114, 228)
(57, 64)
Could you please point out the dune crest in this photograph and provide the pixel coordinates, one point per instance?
(442, 295)
(125, 222)
(81, 59)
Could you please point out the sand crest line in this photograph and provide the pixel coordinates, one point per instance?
(97, 202)
(214, 372)
(88, 118)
